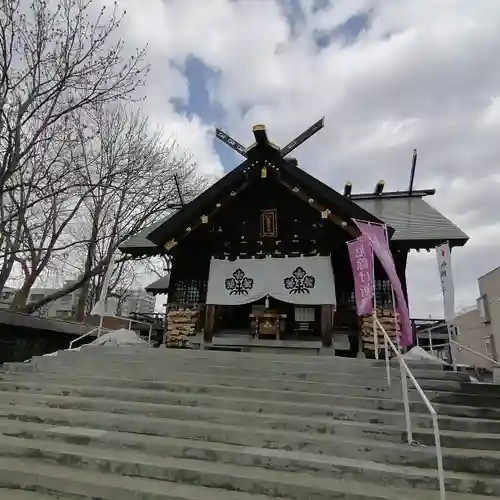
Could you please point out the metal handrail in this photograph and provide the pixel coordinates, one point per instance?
(406, 372)
(131, 320)
(82, 337)
(476, 353)
(99, 329)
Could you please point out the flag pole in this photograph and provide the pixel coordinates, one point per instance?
(393, 299)
(374, 313)
(447, 287)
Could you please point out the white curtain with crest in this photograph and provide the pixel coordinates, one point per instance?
(298, 280)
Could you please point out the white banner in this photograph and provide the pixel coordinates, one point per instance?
(446, 277)
(299, 280)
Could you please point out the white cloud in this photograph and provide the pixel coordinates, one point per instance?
(422, 74)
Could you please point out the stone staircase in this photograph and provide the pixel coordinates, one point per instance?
(154, 424)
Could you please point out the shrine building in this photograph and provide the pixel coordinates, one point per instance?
(262, 253)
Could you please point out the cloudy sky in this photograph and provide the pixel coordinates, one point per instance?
(388, 75)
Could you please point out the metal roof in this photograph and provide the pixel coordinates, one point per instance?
(16, 319)
(139, 243)
(159, 286)
(413, 219)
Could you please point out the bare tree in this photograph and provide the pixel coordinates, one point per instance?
(123, 282)
(133, 171)
(56, 58)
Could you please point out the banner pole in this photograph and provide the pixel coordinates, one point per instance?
(374, 314)
(450, 338)
(447, 286)
(393, 298)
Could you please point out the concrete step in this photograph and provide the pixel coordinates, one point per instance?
(240, 447)
(269, 370)
(465, 400)
(77, 484)
(272, 401)
(294, 427)
(9, 494)
(226, 410)
(193, 384)
(483, 389)
(245, 357)
(298, 483)
(190, 422)
(231, 387)
(319, 363)
(224, 377)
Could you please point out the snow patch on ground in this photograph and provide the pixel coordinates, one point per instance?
(116, 338)
(419, 354)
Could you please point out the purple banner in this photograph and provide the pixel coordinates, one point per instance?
(376, 234)
(361, 257)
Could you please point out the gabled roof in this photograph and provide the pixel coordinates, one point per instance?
(415, 222)
(410, 220)
(205, 203)
(139, 244)
(159, 286)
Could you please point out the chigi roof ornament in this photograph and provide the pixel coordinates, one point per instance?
(260, 134)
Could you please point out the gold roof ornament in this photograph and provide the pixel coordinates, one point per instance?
(170, 244)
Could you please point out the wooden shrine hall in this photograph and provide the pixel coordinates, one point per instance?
(263, 252)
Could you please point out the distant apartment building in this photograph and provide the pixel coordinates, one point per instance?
(64, 307)
(138, 301)
(479, 326)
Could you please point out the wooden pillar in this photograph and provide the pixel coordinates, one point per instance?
(208, 332)
(401, 260)
(326, 324)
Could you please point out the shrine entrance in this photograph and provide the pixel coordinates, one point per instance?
(272, 297)
(274, 320)
(269, 209)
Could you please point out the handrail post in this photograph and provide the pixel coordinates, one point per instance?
(100, 326)
(439, 457)
(405, 374)
(406, 402)
(81, 337)
(387, 362)
(375, 334)
(450, 338)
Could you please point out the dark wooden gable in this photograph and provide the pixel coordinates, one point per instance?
(267, 219)
(263, 167)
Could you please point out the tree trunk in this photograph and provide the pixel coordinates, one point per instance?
(82, 301)
(30, 308)
(84, 293)
(5, 272)
(21, 296)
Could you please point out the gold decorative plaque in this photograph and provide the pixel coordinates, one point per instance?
(268, 223)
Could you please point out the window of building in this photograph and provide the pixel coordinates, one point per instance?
(488, 348)
(63, 313)
(35, 297)
(483, 308)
